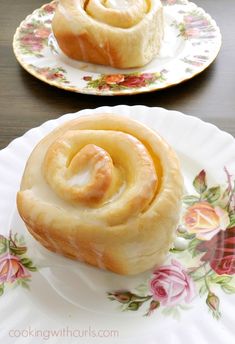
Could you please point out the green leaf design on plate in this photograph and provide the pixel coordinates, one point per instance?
(212, 194)
(192, 247)
(28, 264)
(228, 289)
(200, 183)
(18, 250)
(198, 275)
(232, 220)
(190, 200)
(220, 279)
(175, 250)
(134, 306)
(185, 235)
(203, 290)
(3, 245)
(1, 289)
(23, 282)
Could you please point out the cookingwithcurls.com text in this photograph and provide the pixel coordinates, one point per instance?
(65, 332)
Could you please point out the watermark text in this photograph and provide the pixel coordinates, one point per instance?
(65, 332)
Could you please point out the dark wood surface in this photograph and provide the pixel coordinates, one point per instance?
(26, 102)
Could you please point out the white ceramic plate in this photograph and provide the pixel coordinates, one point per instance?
(191, 43)
(67, 301)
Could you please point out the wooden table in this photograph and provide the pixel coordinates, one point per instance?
(26, 102)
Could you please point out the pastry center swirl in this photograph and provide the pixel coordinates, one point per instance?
(95, 167)
(117, 13)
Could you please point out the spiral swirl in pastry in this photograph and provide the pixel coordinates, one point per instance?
(105, 190)
(120, 33)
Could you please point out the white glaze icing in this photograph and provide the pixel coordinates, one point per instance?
(118, 4)
(80, 179)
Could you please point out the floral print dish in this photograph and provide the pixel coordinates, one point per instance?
(194, 33)
(202, 259)
(191, 292)
(124, 81)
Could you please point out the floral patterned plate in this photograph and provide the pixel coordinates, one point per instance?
(192, 292)
(191, 43)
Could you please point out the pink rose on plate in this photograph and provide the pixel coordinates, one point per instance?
(149, 76)
(36, 47)
(172, 285)
(133, 81)
(205, 220)
(50, 8)
(11, 268)
(192, 32)
(189, 19)
(43, 32)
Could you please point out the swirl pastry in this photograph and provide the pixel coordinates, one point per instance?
(119, 33)
(105, 190)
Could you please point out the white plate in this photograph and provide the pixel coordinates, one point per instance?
(45, 307)
(191, 43)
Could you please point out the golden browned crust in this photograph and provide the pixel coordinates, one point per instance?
(74, 46)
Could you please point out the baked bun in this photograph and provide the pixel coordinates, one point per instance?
(119, 33)
(103, 189)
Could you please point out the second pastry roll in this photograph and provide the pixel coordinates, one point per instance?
(119, 33)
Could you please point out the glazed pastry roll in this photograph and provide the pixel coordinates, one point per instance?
(119, 33)
(105, 190)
